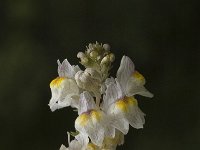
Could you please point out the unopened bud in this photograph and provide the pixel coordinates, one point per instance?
(99, 57)
(90, 48)
(106, 47)
(89, 80)
(105, 60)
(93, 73)
(84, 60)
(112, 57)
(80, 55)
(94, 54)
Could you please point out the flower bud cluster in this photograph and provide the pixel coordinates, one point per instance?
(98, 57)
(106, 106)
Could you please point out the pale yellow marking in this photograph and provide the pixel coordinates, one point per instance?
(96, 115)
(130, 100)
(139, 76)
(122, 105)
(110, 141)
(117, 140)
(83, 119)
(57, 82)
(125, 103)
(91, 146)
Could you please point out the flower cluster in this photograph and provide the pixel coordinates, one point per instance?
(106, 106)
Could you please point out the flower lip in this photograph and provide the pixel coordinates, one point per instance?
(57, 81)
(93, 114)
(126, 99)
(125, 103)
(138, 76)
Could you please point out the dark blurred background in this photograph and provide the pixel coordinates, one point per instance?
(161, 36)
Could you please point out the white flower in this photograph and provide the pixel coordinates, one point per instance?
(93, 122)
(64, 89)
(79, 143)
(130, 80)
(119, 101)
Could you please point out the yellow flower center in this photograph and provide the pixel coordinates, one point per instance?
(96, 115)
(125, 103)
(83, 119)
(92, 115)
(57, 82)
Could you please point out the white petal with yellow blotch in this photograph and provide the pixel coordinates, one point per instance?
(135, 85)
(122, 109)
(64, 93)
(131, 81)
(64, 89)
(93, 122)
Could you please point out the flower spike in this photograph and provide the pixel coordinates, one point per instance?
(106, 106)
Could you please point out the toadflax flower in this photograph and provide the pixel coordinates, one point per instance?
(91, 121)
(130, 80)
(64, 89)
(106, 105)
(119, 101)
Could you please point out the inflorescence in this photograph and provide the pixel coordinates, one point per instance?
(105, 105)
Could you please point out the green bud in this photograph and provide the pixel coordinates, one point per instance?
(112, 57)
(106, 47)
(94, 54)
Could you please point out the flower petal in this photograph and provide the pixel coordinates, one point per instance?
(86, 102)
(62, 93)
(136, 117)
(121, 124)
(117, 119)
(136, 86)
(112, 94)
(79, 143)
(63, 147)
(125, 70)
(66, 69)
(83, 139)
(92, 124)
(126, 110)
(111, 143)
